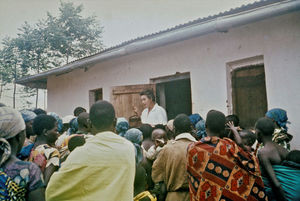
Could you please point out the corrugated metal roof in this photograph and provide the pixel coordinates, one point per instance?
(40, 80)
(232, 11)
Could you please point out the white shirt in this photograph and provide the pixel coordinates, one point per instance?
(157, 115)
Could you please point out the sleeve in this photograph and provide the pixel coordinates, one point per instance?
(158, 168)
(164, 118)
(35, 178)
(52, 156)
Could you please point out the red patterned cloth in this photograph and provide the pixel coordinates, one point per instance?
(218, 169)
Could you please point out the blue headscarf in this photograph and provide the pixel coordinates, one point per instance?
(195, 118)
(279, 116)
(122, 126)
(135, 136)
(28, 115)
(201, 130)
(58, 119)
(73, 126)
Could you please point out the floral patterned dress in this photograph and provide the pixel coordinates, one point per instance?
(21, 178)
(44, 155)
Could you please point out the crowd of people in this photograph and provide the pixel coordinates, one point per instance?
(94, 155)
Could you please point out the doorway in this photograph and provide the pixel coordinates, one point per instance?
(174, 94)
(249, 96)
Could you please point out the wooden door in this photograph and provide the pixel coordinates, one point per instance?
(124, 98)
(249, 94)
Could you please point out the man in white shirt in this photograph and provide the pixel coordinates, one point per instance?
(153, 114)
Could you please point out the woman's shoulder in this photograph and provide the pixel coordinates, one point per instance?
(23, 173)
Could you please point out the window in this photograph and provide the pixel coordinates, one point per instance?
(95, 95)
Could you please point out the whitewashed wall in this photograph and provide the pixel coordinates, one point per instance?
(205, 57)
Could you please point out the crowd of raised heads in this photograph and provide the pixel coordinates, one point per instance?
(94, 155)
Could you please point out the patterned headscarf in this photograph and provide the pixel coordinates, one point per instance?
(135, 136)
(201, 130)
(279, 116)
(11, 124)
(122, 126)
(58, 119)
(195, 118)
(28, 115)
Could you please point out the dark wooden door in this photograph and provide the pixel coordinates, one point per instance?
(249, 94)
(124, 98)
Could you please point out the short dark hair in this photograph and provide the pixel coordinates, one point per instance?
(39, 111)
(102, 114)
(215, 121)
(75, 141)
(249, 136)
(78, 110)
(42, 122)
(234, 118)
(182, 124)
(149, 93)
(265, 125)
(146, 130)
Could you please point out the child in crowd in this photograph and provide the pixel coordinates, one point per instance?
(159, 137)
(248, 139)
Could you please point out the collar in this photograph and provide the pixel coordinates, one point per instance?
(154, 107)
(185, 136)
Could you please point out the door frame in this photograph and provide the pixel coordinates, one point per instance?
(232, 66)
(168, 78)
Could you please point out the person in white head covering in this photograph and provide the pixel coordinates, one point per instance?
(18, 179)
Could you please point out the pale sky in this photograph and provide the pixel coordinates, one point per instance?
(122, 19)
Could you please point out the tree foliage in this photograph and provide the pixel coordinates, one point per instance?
(49, 43)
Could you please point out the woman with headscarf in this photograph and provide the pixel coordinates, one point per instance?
(280, 135)
(140, 193)
(122, 126)
(19, 180)
(44, 153)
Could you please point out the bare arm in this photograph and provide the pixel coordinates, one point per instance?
(267, 167)
(48, 173)
(37, 195)
(236, 136)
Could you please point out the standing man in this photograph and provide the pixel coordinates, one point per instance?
(102, 169)
(153, 113)
(170, 166)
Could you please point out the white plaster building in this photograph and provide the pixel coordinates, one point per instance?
(244, 61)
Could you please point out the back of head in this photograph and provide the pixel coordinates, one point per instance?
(265, 126)
(248, 137)
(11, 122)
(75, 141)
(134, 135)
(234, 118)
(102, 115)
(279, 116)
(78, 111)
(149, 93)
(122, 126)
(28, 115)
(195, 118)
(146, 130)
(39, 111)
(42, 122)
(215, 122)
(11, 125)
(182, 124)
(83, 119)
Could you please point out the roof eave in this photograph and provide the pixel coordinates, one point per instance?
(217, 24)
